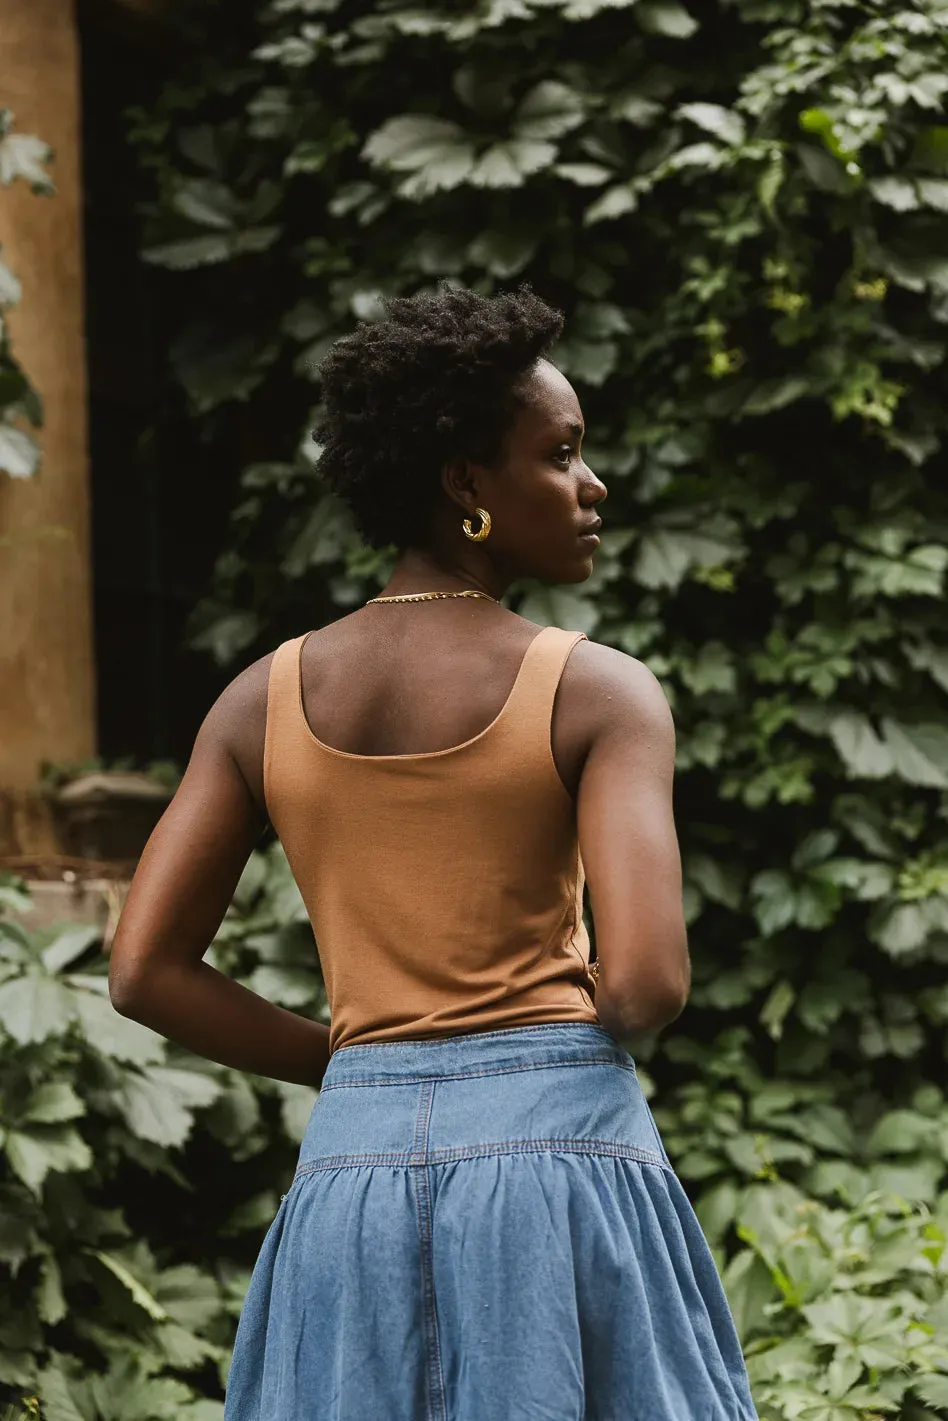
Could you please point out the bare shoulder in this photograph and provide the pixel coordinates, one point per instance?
(237, 722)
(623, 696)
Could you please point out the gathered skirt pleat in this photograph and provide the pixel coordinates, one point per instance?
(486, 1228)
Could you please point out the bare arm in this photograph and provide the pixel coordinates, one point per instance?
(630, 853)
(179, 894)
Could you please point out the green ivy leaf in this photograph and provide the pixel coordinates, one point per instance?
(774, 901)
(34, 1007)
(549, 110)
(159, 1104)
(902, 930)
(207, 202)
(140, 1294)
(420, 142)
(587, 9)
(774, 1011)
(862, 751)
(506, 165)
(113, 1035)
(823, 171)
(773, 395)
(503, 254)
(51, 1302)
(33, 1153)
(583, 174)
(896, 192)
(919, 752)
(933, 192)
(616, 202)
(664, 557)
(720, 882)
(52, 1103)
(24, 156)
(713, 118)
(188, 1295)
(898, 1132)
(665, 17)
(10, 288)
(68, 944)
(291, 987)
(297, 1108)
(192, 252)
(932, 1389)
(750, 1289)
(19, 454)
(64, 1399)
(560, 606)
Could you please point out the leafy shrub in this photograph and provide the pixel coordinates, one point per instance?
(134, 1181)
(843, 1312)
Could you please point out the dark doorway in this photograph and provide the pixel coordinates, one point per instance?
(158, 517)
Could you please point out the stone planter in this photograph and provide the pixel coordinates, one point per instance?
(108, 815)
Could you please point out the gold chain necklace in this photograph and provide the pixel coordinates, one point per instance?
(430, 596)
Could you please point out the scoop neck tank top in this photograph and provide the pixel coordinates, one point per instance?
(445, 888)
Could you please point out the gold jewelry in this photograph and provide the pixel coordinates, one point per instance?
(484, 529)
(594, 971)
(430, 596)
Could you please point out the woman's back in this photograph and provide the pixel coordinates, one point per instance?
(444, 884)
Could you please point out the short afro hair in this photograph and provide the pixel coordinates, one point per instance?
(435, 379)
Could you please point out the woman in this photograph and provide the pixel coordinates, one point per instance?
(484, 1225)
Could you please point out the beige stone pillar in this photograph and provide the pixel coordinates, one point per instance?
(47, 671)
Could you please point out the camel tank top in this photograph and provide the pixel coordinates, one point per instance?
(445, 889)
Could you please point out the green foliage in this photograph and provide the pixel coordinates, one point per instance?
(21, 156)
(842, 1313)
(132, 1174)
(742, 210)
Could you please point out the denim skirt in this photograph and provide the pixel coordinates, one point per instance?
(486, 1227)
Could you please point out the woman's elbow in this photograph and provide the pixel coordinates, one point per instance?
(644, 1006)
(122, 994)
(127, 986)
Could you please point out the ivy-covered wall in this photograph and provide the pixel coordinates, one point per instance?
(743, 210)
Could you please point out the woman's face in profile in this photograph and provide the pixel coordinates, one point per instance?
(542, 497)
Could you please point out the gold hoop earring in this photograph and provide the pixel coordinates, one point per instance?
(484, 529)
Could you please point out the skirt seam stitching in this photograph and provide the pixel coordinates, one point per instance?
(481, 1071)
(422, 1157)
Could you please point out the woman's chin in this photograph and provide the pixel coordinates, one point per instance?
(581, 570)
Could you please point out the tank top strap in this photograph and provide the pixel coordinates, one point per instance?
(530, 708)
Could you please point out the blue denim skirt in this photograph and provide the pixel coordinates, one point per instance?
(486, 1228)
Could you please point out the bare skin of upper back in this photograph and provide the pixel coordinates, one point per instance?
(407, 678)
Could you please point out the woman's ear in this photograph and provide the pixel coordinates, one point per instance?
(459, 481)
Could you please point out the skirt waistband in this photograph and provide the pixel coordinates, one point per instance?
(516, 1048)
